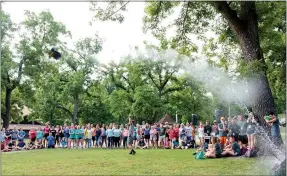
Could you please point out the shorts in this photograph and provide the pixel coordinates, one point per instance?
(188, 138)
(46, 135)
(161, 138)
(134, 138)
(93, 138)
(153, 138)
(243, 139)
(130, 140)
(146, 136)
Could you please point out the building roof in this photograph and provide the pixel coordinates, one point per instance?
(167, 118)
(25, 126)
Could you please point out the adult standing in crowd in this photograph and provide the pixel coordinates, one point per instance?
(130, 139)
(243, 128)
(207, 131)
(275, 129)
(222, 131)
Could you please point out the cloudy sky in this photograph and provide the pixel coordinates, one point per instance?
(120, 39)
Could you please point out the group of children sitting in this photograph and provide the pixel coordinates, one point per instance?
(217, 150)
(13, 145)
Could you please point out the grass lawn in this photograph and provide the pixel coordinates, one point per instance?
(118, 162)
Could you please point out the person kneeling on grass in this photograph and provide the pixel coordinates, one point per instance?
(51, 141)
(175, 144)
(141, 144)
(183, 142)
(233, 149)
(166, 143)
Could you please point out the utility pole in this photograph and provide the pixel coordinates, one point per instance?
(176, 117)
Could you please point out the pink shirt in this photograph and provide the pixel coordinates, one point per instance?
(125, 132)
(46, 130)
(166, 143)
(152, 132)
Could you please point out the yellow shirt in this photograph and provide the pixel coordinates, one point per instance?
(86, 133)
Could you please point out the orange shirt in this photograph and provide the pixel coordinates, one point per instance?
(94, 131)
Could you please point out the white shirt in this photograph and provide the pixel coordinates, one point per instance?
(90, 132)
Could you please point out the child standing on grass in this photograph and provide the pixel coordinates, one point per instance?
(104, 136)
(153, 138)
(110, 134)
(39, 136)
(82, 136)
(90, 134)
(125, 136)
(71, 142)
(77, 136)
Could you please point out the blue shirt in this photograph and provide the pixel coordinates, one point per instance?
(275, 129)
(21, 134)
(110, 132)
(39, 134)
(146, 131)
(103, 132)
(51, 140)
(117, 132)
(14, 134)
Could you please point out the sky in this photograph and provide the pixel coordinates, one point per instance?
(119, 39)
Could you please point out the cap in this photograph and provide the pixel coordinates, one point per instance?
(214, 121)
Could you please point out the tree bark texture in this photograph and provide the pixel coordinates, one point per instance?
(245, 25)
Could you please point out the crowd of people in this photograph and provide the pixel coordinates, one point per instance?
(231, 136)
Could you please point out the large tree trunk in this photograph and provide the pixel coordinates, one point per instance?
(245, 26)
(76, 109)
(6, 118)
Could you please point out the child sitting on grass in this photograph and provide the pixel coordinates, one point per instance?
(21, 145)
(183, 142)
(216, 150)
(166, 143)
(63, 143)
(141, 144)
(31, 146)
(175, 144)
(233, 149)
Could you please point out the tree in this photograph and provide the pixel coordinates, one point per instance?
(242, 20)
(21, 60)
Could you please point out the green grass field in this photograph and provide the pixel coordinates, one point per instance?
(118, 162)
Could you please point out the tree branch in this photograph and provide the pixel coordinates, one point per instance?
(20, 68)
(117, 10)
(152, 79)
(230, 15)
(63, 108)
(172, 89)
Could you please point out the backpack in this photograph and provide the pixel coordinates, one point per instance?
(199, 155)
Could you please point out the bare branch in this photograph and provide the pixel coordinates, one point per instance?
(230, 15)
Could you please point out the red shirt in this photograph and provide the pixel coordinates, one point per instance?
(46, 130)
(32, 134)
(176, 130)
(171, 133)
